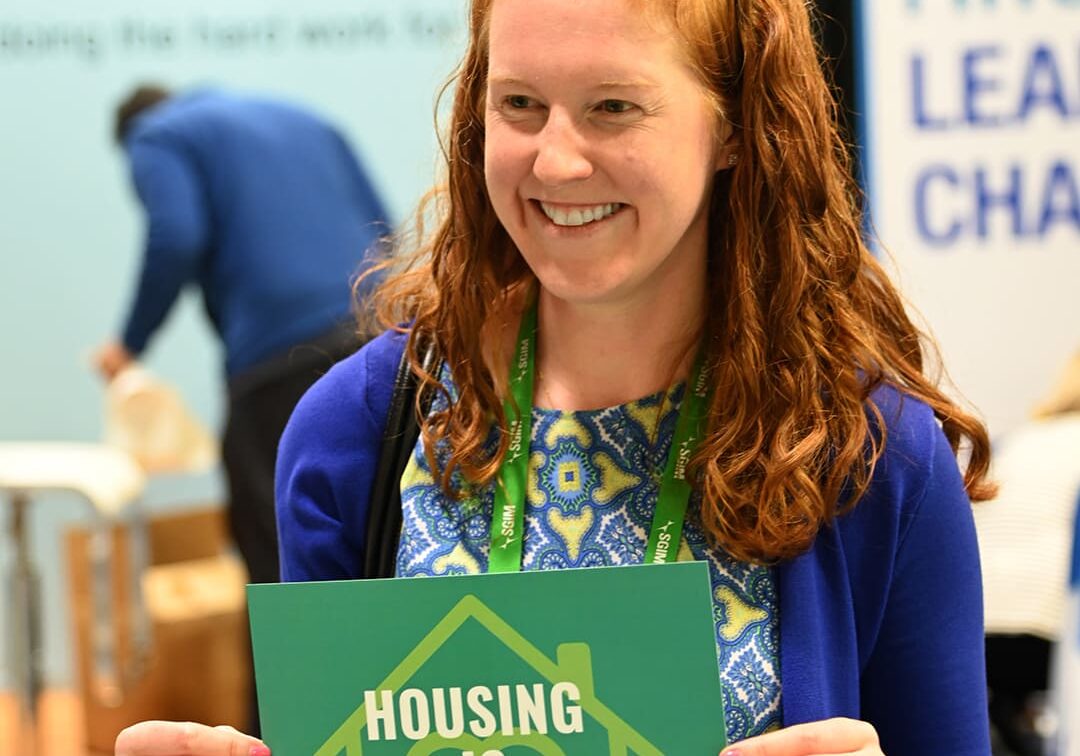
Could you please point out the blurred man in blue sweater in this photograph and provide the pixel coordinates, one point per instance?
(268, 212)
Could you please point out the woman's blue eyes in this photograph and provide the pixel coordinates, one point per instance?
(611, 107)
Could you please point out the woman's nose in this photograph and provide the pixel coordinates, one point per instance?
(561, 154)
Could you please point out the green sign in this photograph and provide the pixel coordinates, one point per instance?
(581, 662)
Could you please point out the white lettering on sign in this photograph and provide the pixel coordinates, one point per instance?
(566, 718)
(484, 725)
(519, 708)
(380, 716)
(454, 725)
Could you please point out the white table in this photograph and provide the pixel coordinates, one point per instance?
(112, 482)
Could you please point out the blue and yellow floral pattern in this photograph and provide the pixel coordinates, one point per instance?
(593, 481)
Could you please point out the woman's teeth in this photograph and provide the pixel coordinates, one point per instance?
(579, 216)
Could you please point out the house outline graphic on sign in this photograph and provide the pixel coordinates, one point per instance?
(574, 663)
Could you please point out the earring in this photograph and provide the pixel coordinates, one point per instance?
(732, 159)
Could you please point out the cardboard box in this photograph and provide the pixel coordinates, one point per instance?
(199, 666)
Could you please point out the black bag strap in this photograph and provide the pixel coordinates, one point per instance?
(399, 439)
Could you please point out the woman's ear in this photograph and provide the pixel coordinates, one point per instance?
(727, 156)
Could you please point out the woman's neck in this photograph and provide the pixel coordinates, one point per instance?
(602, 355)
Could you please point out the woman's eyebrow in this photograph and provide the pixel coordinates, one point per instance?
(627, 84)
(514, 81)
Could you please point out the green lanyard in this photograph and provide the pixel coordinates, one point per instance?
(508, 519)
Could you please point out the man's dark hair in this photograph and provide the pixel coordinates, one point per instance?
(143, 97)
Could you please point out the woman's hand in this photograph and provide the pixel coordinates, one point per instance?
(186, 739)
(829, 737)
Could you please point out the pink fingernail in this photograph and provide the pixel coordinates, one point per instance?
(733, 752)
(263, 750)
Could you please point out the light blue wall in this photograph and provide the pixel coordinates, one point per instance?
(69, 226)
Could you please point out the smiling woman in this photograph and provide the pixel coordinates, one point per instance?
(647, 258)
(607, 116)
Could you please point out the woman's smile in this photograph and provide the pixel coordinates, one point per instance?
(570, 221)
(579, 215)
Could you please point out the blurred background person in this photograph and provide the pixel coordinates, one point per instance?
(266, 209)
(1025, 540)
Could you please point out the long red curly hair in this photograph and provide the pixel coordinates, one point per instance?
(803, 323)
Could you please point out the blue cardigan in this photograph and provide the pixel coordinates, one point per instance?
(881, 620)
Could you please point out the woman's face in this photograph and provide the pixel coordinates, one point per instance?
(600, 149)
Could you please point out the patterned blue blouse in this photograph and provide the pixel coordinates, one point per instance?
(593, 480)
